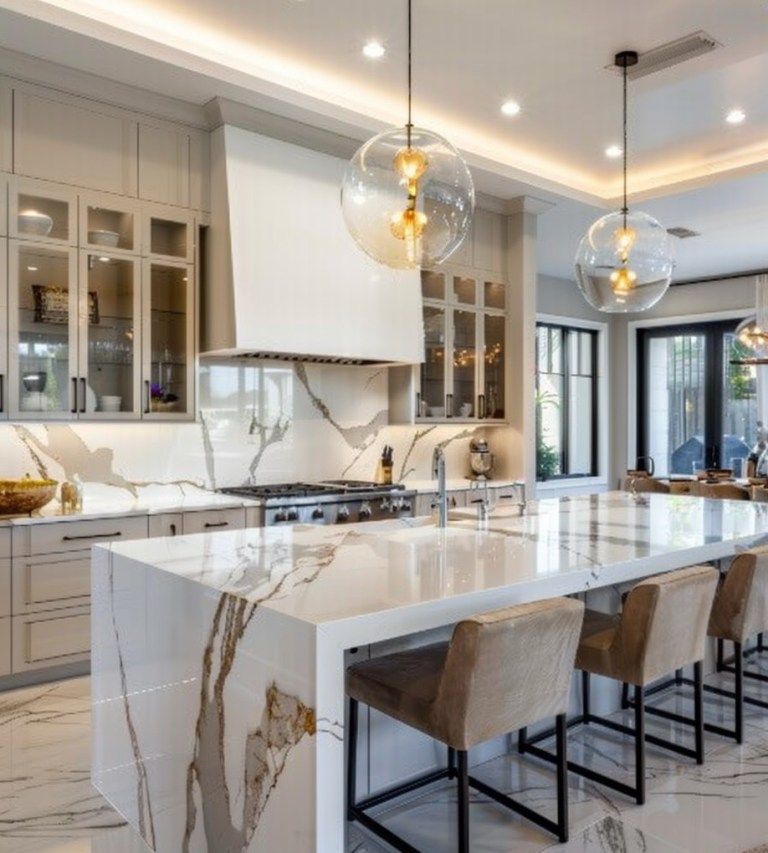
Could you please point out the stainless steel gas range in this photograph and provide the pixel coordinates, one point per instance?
(328, 502)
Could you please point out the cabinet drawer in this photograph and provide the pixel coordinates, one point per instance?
(5, 587)
(167, 524)
(51, 639)
(5, 646)
(212, 520)
(45, 583)
(80, 535)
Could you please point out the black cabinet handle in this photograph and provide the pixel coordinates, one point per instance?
(173, 529)
(147, 396)
(449, 405)
(83, 388)
(92, 536)
(74, 395)
(216, 524)
(2, 392)
(481, 405)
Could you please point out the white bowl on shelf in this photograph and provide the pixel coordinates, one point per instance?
(102, 237)
(111, 404)
(35, 222)
(437, 411)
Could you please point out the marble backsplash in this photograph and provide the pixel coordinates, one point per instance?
(263, 422)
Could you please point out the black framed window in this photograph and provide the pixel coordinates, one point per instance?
(566, 401)
(695, 409)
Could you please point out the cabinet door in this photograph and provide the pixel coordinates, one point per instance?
(6, 129)
(164, 164)
(74, 142)
(42, 319)
(42, 212)
(168, 234)
(463, 367)
(110, 339)
(4, 385)
(109, 223)
(432, 398)
(168, 341)
(491, 403)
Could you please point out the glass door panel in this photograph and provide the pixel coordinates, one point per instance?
(432, 285)
(739, 413)
(107, 224)
(168, 325)
(464, 290)
(464, 363)
(492, 398)
(432, 399)
(676, 402)
(43, 326)
(113, 308)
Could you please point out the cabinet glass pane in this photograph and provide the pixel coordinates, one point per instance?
(110, 228)
(464, 290)
(111, 346)
(168, 238)
(494, 366)
(432, 285)
(433, 369)
(464, 347)
(169, 289)
(42, 217)
(495, 295)
(43, 346)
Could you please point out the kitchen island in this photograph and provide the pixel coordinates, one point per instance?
(218, 662)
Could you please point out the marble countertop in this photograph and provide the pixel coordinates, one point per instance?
(109, 502)
(456, 484)
(326, 575)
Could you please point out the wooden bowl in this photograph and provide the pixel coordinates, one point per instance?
(23, 497)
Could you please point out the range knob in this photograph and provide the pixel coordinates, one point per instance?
(365, 511)
(343, 513)
(318, 514)
(281, 515)
(385, 505)
(292, 514)
(405, 506)
(397, 505)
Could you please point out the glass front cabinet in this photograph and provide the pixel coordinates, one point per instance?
(463, 374)
(98, 328)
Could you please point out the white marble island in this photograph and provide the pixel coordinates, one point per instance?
(218, 659)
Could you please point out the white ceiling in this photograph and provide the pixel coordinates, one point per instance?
(302, 59)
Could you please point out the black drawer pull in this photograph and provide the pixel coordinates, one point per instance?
(92, 536)
(216, 524)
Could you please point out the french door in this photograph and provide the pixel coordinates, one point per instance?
(695, 409)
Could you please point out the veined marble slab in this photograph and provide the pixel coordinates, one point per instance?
(218, 660)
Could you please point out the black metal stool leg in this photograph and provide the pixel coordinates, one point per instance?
(451, 762)
(639, 745)
(585, 706)
(522, 736)
(562, 777)
(720, 655)
(463, 802)
(760, 646)
(678, 677)
(739, 692)
(698, 710)
(352, 760)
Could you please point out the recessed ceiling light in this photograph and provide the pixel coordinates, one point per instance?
(32, 269)
(374, 49)
(736, 116)
(510, 108)
(613, 151)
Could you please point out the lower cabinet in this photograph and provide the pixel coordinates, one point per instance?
(166, 524)
(209, 521)
(54, 580)
(5, 645)
(5, 588)
(42, 640)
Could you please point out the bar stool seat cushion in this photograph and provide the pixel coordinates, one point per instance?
(402, 685)
(741, 605)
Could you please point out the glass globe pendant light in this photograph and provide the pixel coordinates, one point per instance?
(624, 262)
(407, 195)
(750, 346)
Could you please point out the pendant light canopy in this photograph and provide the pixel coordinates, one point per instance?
(624, 262)
(751, 343)
(407, 196)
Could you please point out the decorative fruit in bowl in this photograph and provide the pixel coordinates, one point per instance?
(19, 497)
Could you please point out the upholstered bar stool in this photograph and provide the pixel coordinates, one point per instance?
(661, 628)
(499, 672)
(740, 612)
(723, 491)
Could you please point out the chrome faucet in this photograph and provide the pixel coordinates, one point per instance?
(438, 469)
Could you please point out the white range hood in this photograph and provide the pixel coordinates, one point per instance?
(286, 280)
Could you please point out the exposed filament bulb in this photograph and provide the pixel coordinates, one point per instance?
(623, 280)
(409, 224)
(625, 239)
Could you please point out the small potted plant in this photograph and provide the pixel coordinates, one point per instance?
(161, 399)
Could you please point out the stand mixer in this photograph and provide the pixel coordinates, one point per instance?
(480, 459)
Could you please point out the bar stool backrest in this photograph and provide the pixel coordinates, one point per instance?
(647, 485)
(664, 623)
(741, 606)
(507, 669)
(724, 491)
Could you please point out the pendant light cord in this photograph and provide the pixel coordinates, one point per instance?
(409, 126)
(624, 209)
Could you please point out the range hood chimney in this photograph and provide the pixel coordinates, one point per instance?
(285, 279)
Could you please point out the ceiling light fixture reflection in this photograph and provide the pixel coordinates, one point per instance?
(736, 116)
(511, 108)
(374, 49)
(614, 151)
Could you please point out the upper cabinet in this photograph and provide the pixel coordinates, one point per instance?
(164, 164)
(43, 212)
(109, 223)
(3, 327)
(6, 128)
(62, 140)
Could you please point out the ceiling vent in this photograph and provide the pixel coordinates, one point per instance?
(682, 233)
(672, 53)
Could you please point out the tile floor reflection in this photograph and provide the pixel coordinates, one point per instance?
(47, 803)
